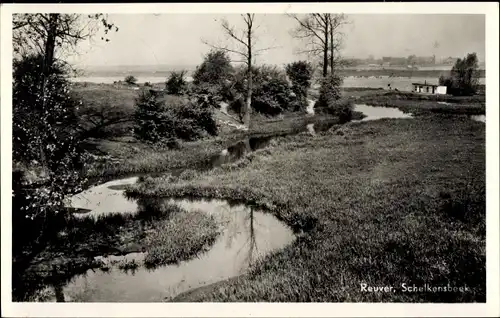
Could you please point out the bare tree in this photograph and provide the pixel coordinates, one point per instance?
(336, 21)
(323, 37)
(245, 40)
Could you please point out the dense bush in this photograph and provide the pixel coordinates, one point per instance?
(149, 117)
(160, 121)
(329, 91)
(214, 76)
(176, 84)
(215, 69)
(192, 120)
(272, 93)
(47, 152)
(464, 77)
(130, 80)
(330, 101)
(300, 74)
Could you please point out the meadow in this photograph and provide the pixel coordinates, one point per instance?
(380, 203)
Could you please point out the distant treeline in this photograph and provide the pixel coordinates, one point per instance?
(399, 73)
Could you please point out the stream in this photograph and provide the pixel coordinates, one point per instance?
(247, 235)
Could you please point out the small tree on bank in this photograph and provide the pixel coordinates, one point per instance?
(148, 117)
(246, 41)
(46, 137)
(216, 69)
(323, 37)
(213, 77)
(330, 99)
(176, 84)
(131, 80)
(164, 119)
(464, 76)
(300, 74)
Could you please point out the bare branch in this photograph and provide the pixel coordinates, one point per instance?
(225, 49)
(267, 48)
(230, 31)
(308, 28)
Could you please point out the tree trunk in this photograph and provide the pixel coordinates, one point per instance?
(325, 52)
(248, 104)
(50, 44)
(332, 48)
(48, 60)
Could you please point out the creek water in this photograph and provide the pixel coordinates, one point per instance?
(374, 112)
(247, 235)
(480, 118)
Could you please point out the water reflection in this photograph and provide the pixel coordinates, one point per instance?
(480, 118)
(104, 199)
(247, 235)
(374, 113)
(239, 149)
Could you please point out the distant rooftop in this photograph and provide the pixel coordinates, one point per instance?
(425, 84)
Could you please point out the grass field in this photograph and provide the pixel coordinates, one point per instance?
(419, 104)
(381, 203)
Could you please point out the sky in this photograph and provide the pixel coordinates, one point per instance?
(147, 39)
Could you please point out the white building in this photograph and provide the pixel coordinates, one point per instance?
(428, 88)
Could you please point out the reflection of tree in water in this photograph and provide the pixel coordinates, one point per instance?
(233, 228)
(251, 241)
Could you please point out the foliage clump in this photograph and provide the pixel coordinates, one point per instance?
(159, 120)
(176, 83)
(464, 77)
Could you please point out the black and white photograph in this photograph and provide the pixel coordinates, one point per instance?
(308, 154)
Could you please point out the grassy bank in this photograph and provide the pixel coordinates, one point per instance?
(135, 157)
(383, 203)
(420, 104)
(165, 232)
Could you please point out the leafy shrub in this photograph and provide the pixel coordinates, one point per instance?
(272, 93)
(330, 100)
(176, 84)
(212, 79)
(343, 108)
(464, 77)
(149, 117)
(329, 90)
(46, 146)
(215, 69)
(300, 74)
(131, 80)
(157, 121)
(191, 120)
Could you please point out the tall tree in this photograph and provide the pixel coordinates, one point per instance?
(336, 21)
(464, 76)
(44, 124)
(245, 41)
(45, 35)
(51, 33)
(323, 36)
